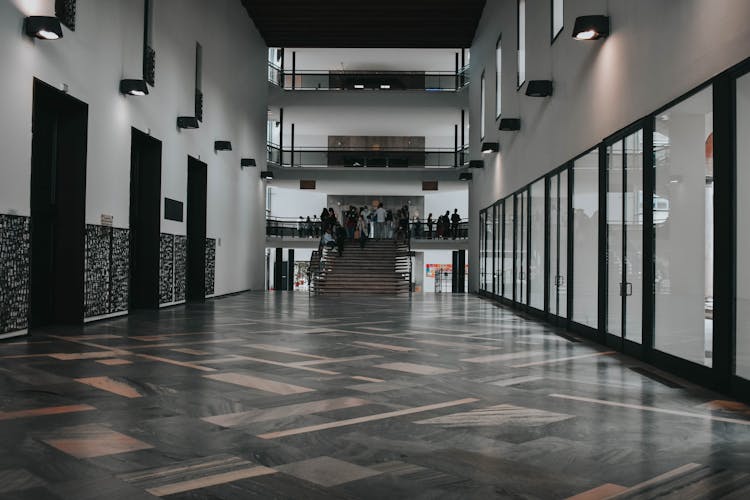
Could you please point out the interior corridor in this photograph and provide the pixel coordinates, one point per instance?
(285, 396)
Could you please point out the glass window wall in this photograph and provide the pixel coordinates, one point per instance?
(521, 246)
(536, 246)
(742, 364)
(521, 30)
(498, 77)
(482, 110)
(683, 220)
(558, 244)
(497, 253)
(558, 7)
(508, 221)
(586, 239)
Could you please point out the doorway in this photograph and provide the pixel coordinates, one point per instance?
(58, 207)
(196, 230)
(625, 215)
(145, 218)
(558, 244)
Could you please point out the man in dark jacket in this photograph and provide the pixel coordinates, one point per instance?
(455, 220)
(341, 236)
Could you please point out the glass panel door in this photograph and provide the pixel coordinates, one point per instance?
(536, 245)
(521, 247)
(585, 234)
(508, 220)
(558, 244)
(742, 360)
(482, 251)
(497, 257)
(625, 237)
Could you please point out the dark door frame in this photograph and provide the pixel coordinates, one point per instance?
(58, 207)
(145, 220)
(197, 189)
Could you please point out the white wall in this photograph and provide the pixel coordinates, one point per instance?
(106, 47)
(658, 50)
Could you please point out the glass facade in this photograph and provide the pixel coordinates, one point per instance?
(536, 245)
(631, 242)
(683, 284)
(558, 7)
(521, 30)
(585, 234)
(742, 358)
(498, 77)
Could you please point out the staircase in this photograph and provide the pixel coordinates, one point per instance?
(382, 267)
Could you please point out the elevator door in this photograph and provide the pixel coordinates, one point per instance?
(196, 230)
(145, 220)
(624, 203)
(58, 206)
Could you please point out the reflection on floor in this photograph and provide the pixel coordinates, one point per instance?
(286, 396)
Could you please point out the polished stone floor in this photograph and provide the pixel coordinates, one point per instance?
(286, 396)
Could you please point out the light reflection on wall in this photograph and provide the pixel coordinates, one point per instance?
(35, 7)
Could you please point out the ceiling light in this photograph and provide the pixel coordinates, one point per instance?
(465, 176)
(490, 147)
(133, 87)
(266, 174)
(510, 124)
(385, 86)
(591, 27)
(539, 88)
(187, 122)
(43, 27)
(359, 86)
(222, 146)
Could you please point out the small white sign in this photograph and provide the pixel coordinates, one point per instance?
(107, 220)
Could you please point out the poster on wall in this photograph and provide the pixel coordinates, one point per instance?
(431, 269)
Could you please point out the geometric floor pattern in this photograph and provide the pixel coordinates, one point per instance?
(295, 397)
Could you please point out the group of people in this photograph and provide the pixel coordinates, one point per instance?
(362, 223)
(446, 226)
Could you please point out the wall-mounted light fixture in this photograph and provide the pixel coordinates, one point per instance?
(133, 87)
(266, 174)
(591, 27)
(43, 27)
(539, 88)
(476, 164)
(222, 146)
(247, 162)
(465, 176)
(187, 122)
(510, 124)
(490, 147)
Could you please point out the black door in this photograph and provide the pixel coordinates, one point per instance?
(145, 218)
(196, 231)
(58, 206)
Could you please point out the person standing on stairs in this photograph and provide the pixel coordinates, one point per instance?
(361, 232)
(340, 238)
(380, 221)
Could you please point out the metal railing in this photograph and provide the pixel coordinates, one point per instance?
(363, 158)
(426, 81)
(279, 227)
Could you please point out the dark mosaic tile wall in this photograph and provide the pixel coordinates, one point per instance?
(15, 238)
(97, 268)
(180, 267)
(120, 270)
(166, 268)
(210, 265)
(107, 270)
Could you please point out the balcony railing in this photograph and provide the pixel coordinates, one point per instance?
(374, 158)
(429, 81)
(418, 230)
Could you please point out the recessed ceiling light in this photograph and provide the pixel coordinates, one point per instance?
(385, 86)
(359, 86)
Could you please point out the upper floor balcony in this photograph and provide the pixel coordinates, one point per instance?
(369, 70)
